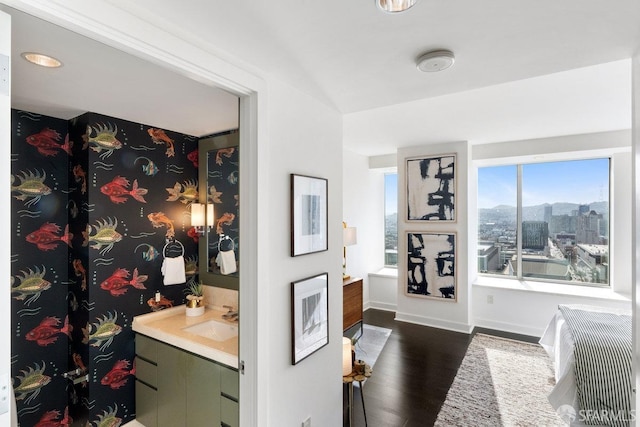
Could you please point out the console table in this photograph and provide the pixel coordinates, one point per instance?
(351, 302)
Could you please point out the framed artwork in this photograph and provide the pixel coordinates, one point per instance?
(431, 188)
(431, 265)
(309, 316)
(308, 215)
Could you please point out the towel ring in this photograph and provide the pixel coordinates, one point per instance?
(168, 250)
(226, 248)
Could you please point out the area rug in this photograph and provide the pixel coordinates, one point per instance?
(501, 382)
(370, 344)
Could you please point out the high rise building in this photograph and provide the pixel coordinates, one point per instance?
(588, 228)
(535, 234)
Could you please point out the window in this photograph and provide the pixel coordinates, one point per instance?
(545, 221)
(391, 220)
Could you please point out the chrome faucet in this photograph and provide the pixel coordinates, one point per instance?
(231, 314)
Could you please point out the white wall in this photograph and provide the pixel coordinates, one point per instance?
(427, 311)
(636, 220)
(305, 137)
(363, 208)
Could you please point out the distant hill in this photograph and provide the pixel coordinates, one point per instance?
(536, 213)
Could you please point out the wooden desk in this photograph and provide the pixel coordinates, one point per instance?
(351, 302)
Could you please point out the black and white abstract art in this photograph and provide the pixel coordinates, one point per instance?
(431, 188)
(310, 316)
(431, 260)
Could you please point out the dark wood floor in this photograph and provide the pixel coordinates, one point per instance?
(412, 374)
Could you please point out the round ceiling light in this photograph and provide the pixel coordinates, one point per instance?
(436, 60)
(393, 6)
(41, 60)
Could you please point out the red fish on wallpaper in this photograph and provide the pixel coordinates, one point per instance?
(118, 282)
(80, 271)
(159, 305)
(47, 238)
(81, 177)
(117, 376)
(193, 157)
(46, 141)
(50, 419)
(117, 189)
(193, 233)
(226, 152)
(47, 331)
(159, 136)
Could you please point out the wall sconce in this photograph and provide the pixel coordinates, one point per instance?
(201, 217)
(349, 238)
(198, 217)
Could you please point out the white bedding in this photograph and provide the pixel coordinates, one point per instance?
(558, 343)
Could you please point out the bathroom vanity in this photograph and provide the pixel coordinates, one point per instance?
(186, 369)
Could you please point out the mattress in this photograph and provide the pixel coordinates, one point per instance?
(559, 343)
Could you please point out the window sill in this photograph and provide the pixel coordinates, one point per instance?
(387, 272)
(550, 288)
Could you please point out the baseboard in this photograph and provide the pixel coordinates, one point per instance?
(508, 327)
(434, 323)
(381, 306)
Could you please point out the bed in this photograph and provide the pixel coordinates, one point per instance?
(591, 351)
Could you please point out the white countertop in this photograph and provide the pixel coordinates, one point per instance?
(168, 326)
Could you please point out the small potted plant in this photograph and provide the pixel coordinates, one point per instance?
(195, 299)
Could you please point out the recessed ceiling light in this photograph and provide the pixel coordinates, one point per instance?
(436, 60)
(42, 60)
(393, 6)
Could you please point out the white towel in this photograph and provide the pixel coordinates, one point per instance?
(173, 271)
(226, 260)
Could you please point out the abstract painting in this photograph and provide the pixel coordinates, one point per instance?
(310, 316)
(431, 261)
(431, 188)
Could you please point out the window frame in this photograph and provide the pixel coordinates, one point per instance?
(519, 163)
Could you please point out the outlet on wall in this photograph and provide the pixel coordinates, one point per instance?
(307, 422)
(489, 299)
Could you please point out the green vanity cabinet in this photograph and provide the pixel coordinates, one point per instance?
(175, 387)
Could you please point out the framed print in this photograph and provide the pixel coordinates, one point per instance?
(431, 188)
(431, 265)
(309, 316)
(308, 215)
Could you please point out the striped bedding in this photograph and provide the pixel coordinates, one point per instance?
(603, 357)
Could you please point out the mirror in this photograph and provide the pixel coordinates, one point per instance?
(218, 249)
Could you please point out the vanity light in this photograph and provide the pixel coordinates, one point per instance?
(198, 217)
(41, 60)
(210, 216)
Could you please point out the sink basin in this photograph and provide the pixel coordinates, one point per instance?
(214, 330)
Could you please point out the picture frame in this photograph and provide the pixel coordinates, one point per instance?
(431, 188)
(309, 316)
(431, 265)
(308, 214)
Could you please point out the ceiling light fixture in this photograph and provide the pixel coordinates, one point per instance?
(393, 6)
(436, 60)
(42, 60)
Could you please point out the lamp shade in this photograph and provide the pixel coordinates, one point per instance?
(197, 214)
(346, 356)
(349, 236)
(210, 215)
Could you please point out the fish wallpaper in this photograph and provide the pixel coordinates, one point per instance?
(95, 200)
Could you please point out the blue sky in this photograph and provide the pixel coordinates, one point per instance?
(580, 181)
(391, 193)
